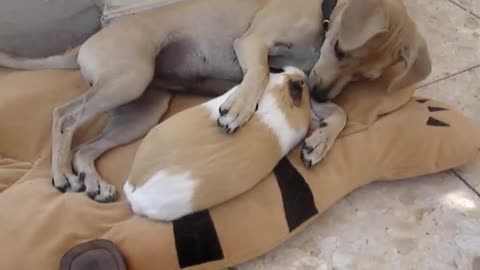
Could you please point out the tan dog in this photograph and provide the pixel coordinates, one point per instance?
(211, 45)
(204, 166)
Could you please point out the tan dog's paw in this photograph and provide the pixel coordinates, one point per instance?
(236, 111)
(67, 182)
(100, 191)
(316, 147)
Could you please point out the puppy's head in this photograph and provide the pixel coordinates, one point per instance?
(291, 86)
(291, 91)
(366, 37)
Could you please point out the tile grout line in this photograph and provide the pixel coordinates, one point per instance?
(469, 11)
(461, 71)
(466, 182)
(474, 14)
(449, 76)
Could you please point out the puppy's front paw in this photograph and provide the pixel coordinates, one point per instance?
(316, 147)
(236, 111)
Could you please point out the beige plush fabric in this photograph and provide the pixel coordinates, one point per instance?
(389, 136)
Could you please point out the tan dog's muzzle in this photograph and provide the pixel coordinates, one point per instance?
(320, 94)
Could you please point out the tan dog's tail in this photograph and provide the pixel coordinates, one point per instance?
(67, 60)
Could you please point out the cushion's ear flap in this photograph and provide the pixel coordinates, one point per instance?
(417, 63)
(360, 22)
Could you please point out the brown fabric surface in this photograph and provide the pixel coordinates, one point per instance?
(39, 225)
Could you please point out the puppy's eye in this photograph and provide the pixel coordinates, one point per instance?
(338, 52)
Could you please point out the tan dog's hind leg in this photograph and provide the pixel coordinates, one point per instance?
(328, 120)
(107, 93)
(127, 123)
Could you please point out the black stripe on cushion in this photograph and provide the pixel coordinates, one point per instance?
(297, 197)
(196, 240)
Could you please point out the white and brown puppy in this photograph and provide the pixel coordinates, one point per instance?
(186, 164)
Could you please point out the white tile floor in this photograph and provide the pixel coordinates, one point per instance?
(430, 223)
(427, 223)
(472, 6)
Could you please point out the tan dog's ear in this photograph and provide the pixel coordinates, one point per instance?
(417, 64)
(360, 22)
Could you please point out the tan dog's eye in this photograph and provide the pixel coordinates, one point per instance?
(338, 52)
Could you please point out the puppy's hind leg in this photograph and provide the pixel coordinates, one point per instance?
(107, 93)
(127, 123)
(328, 120)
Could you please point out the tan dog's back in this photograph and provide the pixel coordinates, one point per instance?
(187, 163)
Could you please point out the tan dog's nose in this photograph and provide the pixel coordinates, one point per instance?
(320, 94)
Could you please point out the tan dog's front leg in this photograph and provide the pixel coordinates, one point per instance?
(328, 120)
(252, 54)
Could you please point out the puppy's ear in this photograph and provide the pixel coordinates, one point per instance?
(295, 88)
(417, 63)
(361, 21)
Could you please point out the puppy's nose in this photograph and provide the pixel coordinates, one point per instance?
(320, 94)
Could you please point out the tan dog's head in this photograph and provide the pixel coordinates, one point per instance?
(366, 37)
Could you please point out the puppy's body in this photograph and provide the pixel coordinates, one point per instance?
(188, 164)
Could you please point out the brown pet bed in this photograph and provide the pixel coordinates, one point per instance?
(389, 136)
